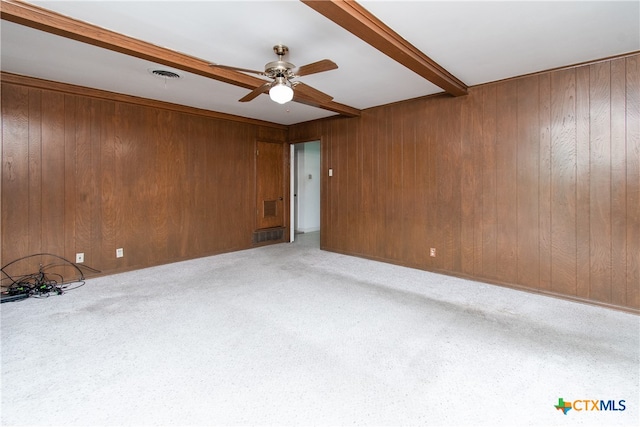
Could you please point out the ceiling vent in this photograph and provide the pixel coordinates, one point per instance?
(165, 74)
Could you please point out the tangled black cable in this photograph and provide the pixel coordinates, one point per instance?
(42, 283)
(38, 284)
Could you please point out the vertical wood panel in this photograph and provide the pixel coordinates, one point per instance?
(132, 164)
(448, 141)
(207, 136)
(633, 181)
(527, 183)
(158, 189)
(105, 253)
(544, 182)
(221, 174)
(53, 173)
(618, 183)
(424, 185)
(489, 184)
(241, 149)
(233, 184)
(325, 186)
(70, 182)
(196, 165)
(471, 186)
(168, 173)
(97, 122)
(583, 176)
(34, 211)
(332, 226)
(382, 171)
(171, 157)
(185, 185)
(369, 217)
(394, 203)
(478, 173)
(353, 229)
(435, 233)
(15, 172)
(384, 187)
(600, 185)
(84, 194)
(443, 194)
(340, 151)
(563, 182)
(413, 252)
(506, 179)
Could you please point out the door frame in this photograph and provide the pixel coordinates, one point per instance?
(292, 177)
(292, 194)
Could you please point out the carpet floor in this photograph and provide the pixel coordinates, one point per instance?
(291, 335)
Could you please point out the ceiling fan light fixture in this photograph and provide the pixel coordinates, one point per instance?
(281, 92)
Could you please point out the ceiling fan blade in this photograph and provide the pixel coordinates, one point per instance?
(257, 91)
(312, 93)
(245, 70)
(316, 67)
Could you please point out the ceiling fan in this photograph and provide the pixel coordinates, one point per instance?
(281, 86)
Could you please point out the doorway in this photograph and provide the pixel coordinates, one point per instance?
(305, 188)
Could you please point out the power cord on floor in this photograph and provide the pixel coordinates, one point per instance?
(44, 282)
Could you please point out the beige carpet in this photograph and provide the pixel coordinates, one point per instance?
(291, 335)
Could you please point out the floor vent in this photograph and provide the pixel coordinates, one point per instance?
(268, 235)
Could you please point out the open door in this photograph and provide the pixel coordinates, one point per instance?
(270, 203)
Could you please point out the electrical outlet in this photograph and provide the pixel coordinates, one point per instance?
(432, 252)
(79, 257)
(119, 253)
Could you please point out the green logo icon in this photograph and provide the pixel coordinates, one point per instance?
(563, 406)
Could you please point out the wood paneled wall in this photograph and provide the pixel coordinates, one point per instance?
(532, 182)
(88, 174)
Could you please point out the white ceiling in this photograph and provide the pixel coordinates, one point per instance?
(476, 41)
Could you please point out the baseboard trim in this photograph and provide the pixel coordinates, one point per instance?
(544, 292)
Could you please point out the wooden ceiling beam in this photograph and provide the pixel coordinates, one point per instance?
(356, 19)
(48, 21)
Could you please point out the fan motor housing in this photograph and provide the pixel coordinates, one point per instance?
(279, 68)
